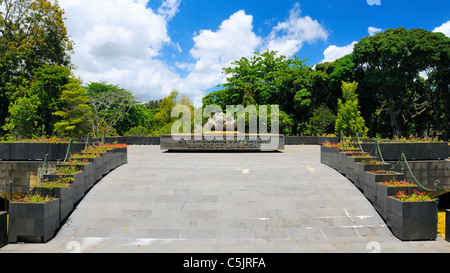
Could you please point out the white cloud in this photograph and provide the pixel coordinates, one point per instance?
(116, 41)
(121, 42)
(373, 30)
(334, 52)
(169, 8)
(289, 36)
(214, 50)
(444, 28)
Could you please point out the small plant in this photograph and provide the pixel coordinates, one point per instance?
(362, 156)
(67, 170)
(396, 183)
(77, 162)
(62, 182)
(84, 155)
(382, 172)
(34, 198)
(371, 162)
(328, 144)
(415, 197)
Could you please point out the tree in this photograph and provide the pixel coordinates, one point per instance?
(267, 79)
(74, 116)
(163, 120)
(388, 67)
(47, 85)
(32, 34)
(349, 120)
(109, 104)
(23, 120)
(322, 121)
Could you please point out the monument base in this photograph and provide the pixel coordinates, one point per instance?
(222, 141)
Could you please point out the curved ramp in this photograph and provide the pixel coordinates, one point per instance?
(225, 202)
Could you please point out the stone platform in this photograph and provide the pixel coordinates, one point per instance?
(222, 141)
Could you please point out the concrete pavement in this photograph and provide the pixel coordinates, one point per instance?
(225, 203)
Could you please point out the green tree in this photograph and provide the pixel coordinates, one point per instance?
(138, 116)
(109, 104)
(349, 120)
(163, 120)
(32, 34)
(267, 79)
(23, 120)
(47, 85)
(322, 121)
(74, 115)
(137, 131)
(388, 67)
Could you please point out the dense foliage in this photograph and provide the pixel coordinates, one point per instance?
(396, 83)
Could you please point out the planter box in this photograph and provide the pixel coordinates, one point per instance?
(118, 157)
(33, 222)
(106, 167)
(29, 151)
(329, 156)
(391, 151)
(351, 171)
(360, 169)
(411, 221)
(65, 197)
(3, 228)
(88, 174)
(383, 193)
(77, 186)
(97, 167)
(370, 180)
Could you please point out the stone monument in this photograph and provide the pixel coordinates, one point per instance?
(219, 134)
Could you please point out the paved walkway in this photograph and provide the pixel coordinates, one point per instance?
(225, 202)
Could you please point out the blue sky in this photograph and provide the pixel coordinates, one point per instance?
(153, 47)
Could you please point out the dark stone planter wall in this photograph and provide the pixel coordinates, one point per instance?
(383, 192)
(370, 180)
(37, 151)
(38, 224)
(65, 197)
(413, 151)
(33, 222)
(3, 228)
(77, 186)
(410, 221)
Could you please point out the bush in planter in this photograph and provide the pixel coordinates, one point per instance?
(60, 189)
(412, 217)
(34, 218)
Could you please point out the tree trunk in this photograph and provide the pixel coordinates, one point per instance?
(394, 113)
